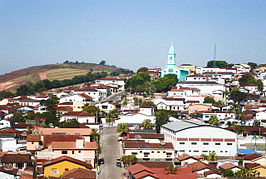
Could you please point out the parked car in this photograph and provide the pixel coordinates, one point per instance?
(118, 162)
(101, 161)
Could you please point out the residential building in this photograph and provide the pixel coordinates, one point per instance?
(80, 116)
(112, 80)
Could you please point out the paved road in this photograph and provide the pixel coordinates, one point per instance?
(114, 97)
(111, 151)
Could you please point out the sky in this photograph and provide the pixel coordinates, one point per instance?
(130, 33)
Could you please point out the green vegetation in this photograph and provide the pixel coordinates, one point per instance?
(142, 69)
(112, 115)
(122, 128)
(211, 157)
(161, 119)
(220, 64)
(5, 94)
(165, 83)
(228, 173)
(171, 170)
(238, 96)
(72, 123)
(249, 79)
(128, 160)
(246, 173)
(208, 100)
(146, 124)
(213, 120)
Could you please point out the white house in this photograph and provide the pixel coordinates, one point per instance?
(202, 70)
(134, 118)
(196, 77)
(28, 102)
(92, 92)
(195, 138)
(174, 104)
(4, 124)
(106, 106)
(80, 116)
(261, 116)
(242, 68)
(81, 97)
(221, 115)
(205, 87)
(112, 80)
(9, 143)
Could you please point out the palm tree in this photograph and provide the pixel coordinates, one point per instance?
(95, 135)
(146, 124)
(112, 115)
(129, 160)
(122, 128)
(214, 120)
(171, 170)
(212, 156)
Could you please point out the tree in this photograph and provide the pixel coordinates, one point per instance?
(171, 170)
(238, 96)
(165, 83)
(249, 79)
(147, 104)
(256, 123)
(252, 65)
(129, 160)
(91, 109)
(146, 124)
(228, 173)
(212, 156)
(142, 69)
(95, 135)
(122, 128)
(103, 62)
(213, 120)
(112, 115)
(51, 102)
(140, 79)
(208, 100)
(220, 64)
(161, 119)
(246, 173)
(71, 123)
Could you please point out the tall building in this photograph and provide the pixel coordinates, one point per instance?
(171, 67)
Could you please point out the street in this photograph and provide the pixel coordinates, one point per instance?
(111, 151)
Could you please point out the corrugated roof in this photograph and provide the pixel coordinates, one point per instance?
(183, 124)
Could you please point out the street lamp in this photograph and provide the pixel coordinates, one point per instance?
(34, 166)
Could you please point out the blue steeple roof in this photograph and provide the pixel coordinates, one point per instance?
(171, 50)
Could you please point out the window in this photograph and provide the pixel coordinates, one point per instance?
(73, 152)
(217, 143)
(229, 143)
(205, 151)
(146, 154)
(193, 143)
(152, 151)
(168, 154)
(170, 70)
(134, 153)
(64, 152)
(140, 151)
(181, 150)
(66, 169)
(181, 143)
(195, 151)
(79, 151)
(163, 151)
(32, 142)
(158, 151)
(205, 143)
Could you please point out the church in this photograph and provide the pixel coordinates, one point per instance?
(171, 67)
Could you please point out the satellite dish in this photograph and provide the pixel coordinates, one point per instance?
(8, 166)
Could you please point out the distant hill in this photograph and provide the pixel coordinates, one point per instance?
(53, 72)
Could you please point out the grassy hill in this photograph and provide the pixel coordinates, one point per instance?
(13, 79)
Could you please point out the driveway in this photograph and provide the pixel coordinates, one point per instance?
(110, 152)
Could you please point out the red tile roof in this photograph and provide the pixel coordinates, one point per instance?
(112, 79)
(252, 165)
(186, 156)
(129, 144)
(33, 138)
(197, 166)
(79, 173)
(85, 96)
(48, 139)
(77, 113)
(72, 145)
(146, 136)
(65, 131)
(70, 159)
(228, 166)
(252, 156)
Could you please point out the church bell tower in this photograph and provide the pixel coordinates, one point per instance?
(171, 55)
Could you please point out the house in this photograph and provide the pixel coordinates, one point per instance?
(190, 68)
(204, 169)
(148, 151)
(4, 123)
(185, 159)
(254, 158)
(33, 143)
(79, 149)
(9, 142)
(112, 80)
(202, 70)
(242, 68)
(64, 131)
(105, 106)
(221, 115)
(28, 102)
(229, 166)
(258, 168)
(16, 160)
(80, 116)
(79, 173)
(82, 97)
(196, 138)
(196, 77)
(172, 104)
(88, 91)
(195, 108)
(57, 166)
(251, 88)
(147, 137)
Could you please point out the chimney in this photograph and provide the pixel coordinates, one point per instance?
(79, 143)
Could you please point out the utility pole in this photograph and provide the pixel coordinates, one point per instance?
(214, 57)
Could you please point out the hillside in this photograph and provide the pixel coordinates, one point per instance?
(53, 72)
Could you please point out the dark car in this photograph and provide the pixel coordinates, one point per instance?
(101, 161)
(118, 162)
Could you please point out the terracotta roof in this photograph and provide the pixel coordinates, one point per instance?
(33, 138)
(64, 108)
(21, 125)
(79, 173)
(228, 166)
(209, 172)
(156, 164)
(146, 135)
(77, 113)
(48, 139)
(70, 159)
(85, 96)
(251, 84)
(252, 156)
(72, 145)
(145, 145)
(65, 131)
(112, 79)
(25, 176)
(15, 158)
(186, 156)
(139, 171)
(252, 165)
(197, 166)
(66, 104)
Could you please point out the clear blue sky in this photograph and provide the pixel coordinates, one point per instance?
(130, 33)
